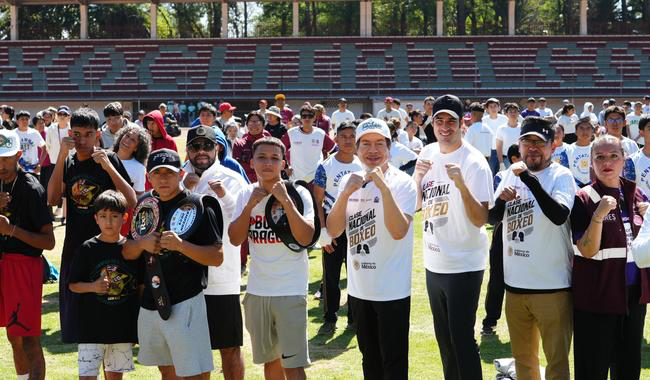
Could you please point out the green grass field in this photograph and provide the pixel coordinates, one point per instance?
(333, 357)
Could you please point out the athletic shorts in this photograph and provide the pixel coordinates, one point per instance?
(21, 290)
(278, 329)
(182, 341)
(224, 321)
(116, 357)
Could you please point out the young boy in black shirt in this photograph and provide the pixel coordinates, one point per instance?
(108, 307)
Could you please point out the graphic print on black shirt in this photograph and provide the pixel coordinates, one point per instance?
(112, 317)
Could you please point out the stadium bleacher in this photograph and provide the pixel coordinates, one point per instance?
(344, 66)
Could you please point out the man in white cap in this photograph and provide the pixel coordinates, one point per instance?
(454, 185)
(26, 225)
(375, 208)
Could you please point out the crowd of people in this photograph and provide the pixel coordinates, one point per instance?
(155, 247)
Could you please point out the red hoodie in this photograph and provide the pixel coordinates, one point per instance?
(166, 141)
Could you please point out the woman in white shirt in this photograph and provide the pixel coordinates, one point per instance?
(588, 111)
(568, 120)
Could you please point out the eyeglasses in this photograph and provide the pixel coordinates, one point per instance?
(533, 143)
(307, 116)
(197, 146)
(615, 121)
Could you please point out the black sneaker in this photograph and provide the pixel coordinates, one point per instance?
(488, 331)
(351, 326)
(327, 328)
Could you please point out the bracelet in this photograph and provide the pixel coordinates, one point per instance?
(596, 221)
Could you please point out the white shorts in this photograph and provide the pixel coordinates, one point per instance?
(116, 357)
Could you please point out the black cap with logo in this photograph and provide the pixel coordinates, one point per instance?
(201, 131)
(164, 158)
(448, 104)
(537, 126)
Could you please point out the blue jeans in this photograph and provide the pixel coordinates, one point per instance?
(494, 162)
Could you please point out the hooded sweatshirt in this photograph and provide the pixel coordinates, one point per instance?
(165, 141)
(586, 112)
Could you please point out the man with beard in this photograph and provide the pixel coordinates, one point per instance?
(202, 150)
(535, 199)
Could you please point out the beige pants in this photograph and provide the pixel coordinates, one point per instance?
(548, 315)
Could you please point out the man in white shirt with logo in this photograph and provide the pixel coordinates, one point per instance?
(275, 304)
(375, 209)
(223, 287)
(534, 201)
(542, 110)
(306, 146)
(455, 192)
(326, 188)
(342, 114)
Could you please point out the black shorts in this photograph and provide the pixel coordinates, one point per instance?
(225, 321)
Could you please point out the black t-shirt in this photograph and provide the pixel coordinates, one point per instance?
(183, 275)
(113, 317)
(84, 181)
(276, 131)
(28, 210)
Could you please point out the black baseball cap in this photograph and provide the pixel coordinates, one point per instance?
(448, 104)
(537, 126)
(201, 131)
(164, 158)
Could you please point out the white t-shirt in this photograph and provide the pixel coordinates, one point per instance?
(226, 278)
(480, 137)
(568, 122)
(580, 162)
(646, 108)
(339, 117)
(380, 266)
(137, 173)
(508, 136)
(30, 141)
(415, 144)
(537, 254)
(329, 174)
(629, 146)
(306, 152)
(641, 171)
(633, 128)
(544, 112)
(53, 137)
(275, 270)
(494, 124)
(451, 243)
(403, 137)
(385, 116)
(405, 117)
(400, 154)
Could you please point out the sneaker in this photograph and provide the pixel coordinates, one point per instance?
(351, 326)
(317, 295)
(327, 328)
(62, 221)
(58, 212)
(488, 331)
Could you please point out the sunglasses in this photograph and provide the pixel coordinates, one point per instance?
(206, 147)
(307, 116)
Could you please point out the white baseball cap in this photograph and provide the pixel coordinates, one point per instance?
(373, 125)
(9, 143)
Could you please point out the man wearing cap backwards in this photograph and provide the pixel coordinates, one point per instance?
(26, 227)
(81, 177)
(535, 198)
(454, 185)
(326, 183)
(30, 141)
(276, 295)
(274, 124)
(388, 111)
(180, 345)
(285, 111)
(341, 114)
(375, 209)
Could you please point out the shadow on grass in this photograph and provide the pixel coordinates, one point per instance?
(645, 353)
(493, 348)
(51, 342)
(50, 303)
